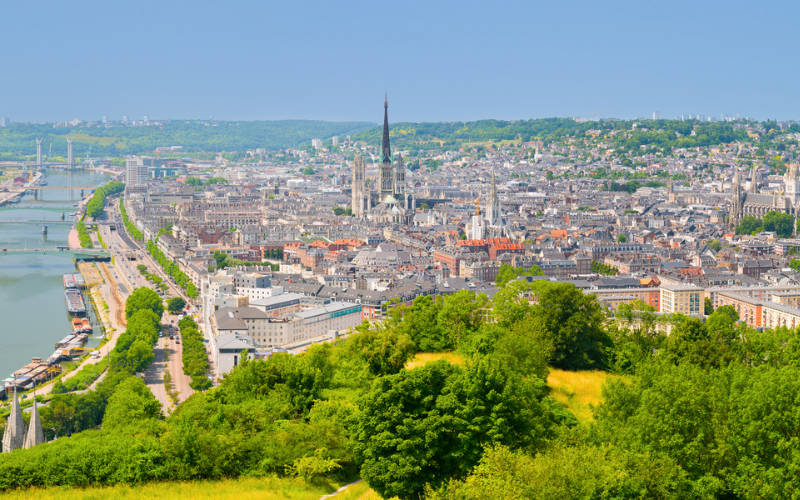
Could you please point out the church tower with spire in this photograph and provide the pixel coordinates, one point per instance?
(386, 175)
(35, 432)
(14, 436)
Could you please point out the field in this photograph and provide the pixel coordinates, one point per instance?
(227, 489)
(422, 358)
(579, 391)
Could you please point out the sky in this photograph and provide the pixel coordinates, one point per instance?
(437, 60)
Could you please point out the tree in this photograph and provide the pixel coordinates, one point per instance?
(621, 238)
(748, 225)
(505, 274)
(573, 323)
(424, 206)
(549, 175)
(309, 170)
(708, 306)
(714, 245)
(462, 314)
(781, 223)
(143, 298)
(384, 350)
(175, 305)
(131, 404)
(193, 181)
(423, 426)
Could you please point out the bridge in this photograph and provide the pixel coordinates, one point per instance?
(25, 188)
(37, 221)
(18, 206)
(78, 253)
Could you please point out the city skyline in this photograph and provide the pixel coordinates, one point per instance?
(443, 62)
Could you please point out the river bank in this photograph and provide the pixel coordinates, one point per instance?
(31, 289)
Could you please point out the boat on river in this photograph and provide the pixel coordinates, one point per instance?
(74, 301)
(69, 281)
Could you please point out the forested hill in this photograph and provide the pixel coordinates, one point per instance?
(627, 134)
(194, 136)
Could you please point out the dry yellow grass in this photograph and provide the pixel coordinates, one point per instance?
(360, 491)
(423, 358)
(228, 489)
(579, 391)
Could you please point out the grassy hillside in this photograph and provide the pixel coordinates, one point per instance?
(238, 489)
(422, 358)
(579, 391)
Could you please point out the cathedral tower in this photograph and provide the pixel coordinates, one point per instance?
(358, 186)
(399, 177)
(792, 181)
(493, 210)
(386, 175)
(736, 200)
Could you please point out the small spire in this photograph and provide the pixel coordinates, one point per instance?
(14, 436)
(35, 433)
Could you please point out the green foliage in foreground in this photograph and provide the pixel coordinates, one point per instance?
(83, 379)
(708, 412)
(421, 426)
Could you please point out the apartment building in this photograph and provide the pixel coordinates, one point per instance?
(681, 299)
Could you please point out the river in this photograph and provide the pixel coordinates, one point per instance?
(32, 311)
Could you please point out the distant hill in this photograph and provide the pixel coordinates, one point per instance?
(193, 135)
(626, 134)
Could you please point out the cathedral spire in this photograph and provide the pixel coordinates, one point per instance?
(387, 152)
(35, 433)
(14, 437)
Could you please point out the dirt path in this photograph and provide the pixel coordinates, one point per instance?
(331, 495)
(73, 240)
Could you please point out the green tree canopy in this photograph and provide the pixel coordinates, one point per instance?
(426, 425)
(175, 305)
(143, 298)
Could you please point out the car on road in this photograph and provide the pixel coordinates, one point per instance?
(177, 341)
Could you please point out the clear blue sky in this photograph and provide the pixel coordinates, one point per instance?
(439, 61)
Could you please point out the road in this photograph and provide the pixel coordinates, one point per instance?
(120, 244)
(154, 378)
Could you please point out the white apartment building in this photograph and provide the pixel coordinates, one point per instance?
(267, 331)
(135, 174)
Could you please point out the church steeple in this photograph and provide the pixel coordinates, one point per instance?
(35, 433)
(14, 436)
(386, 149)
